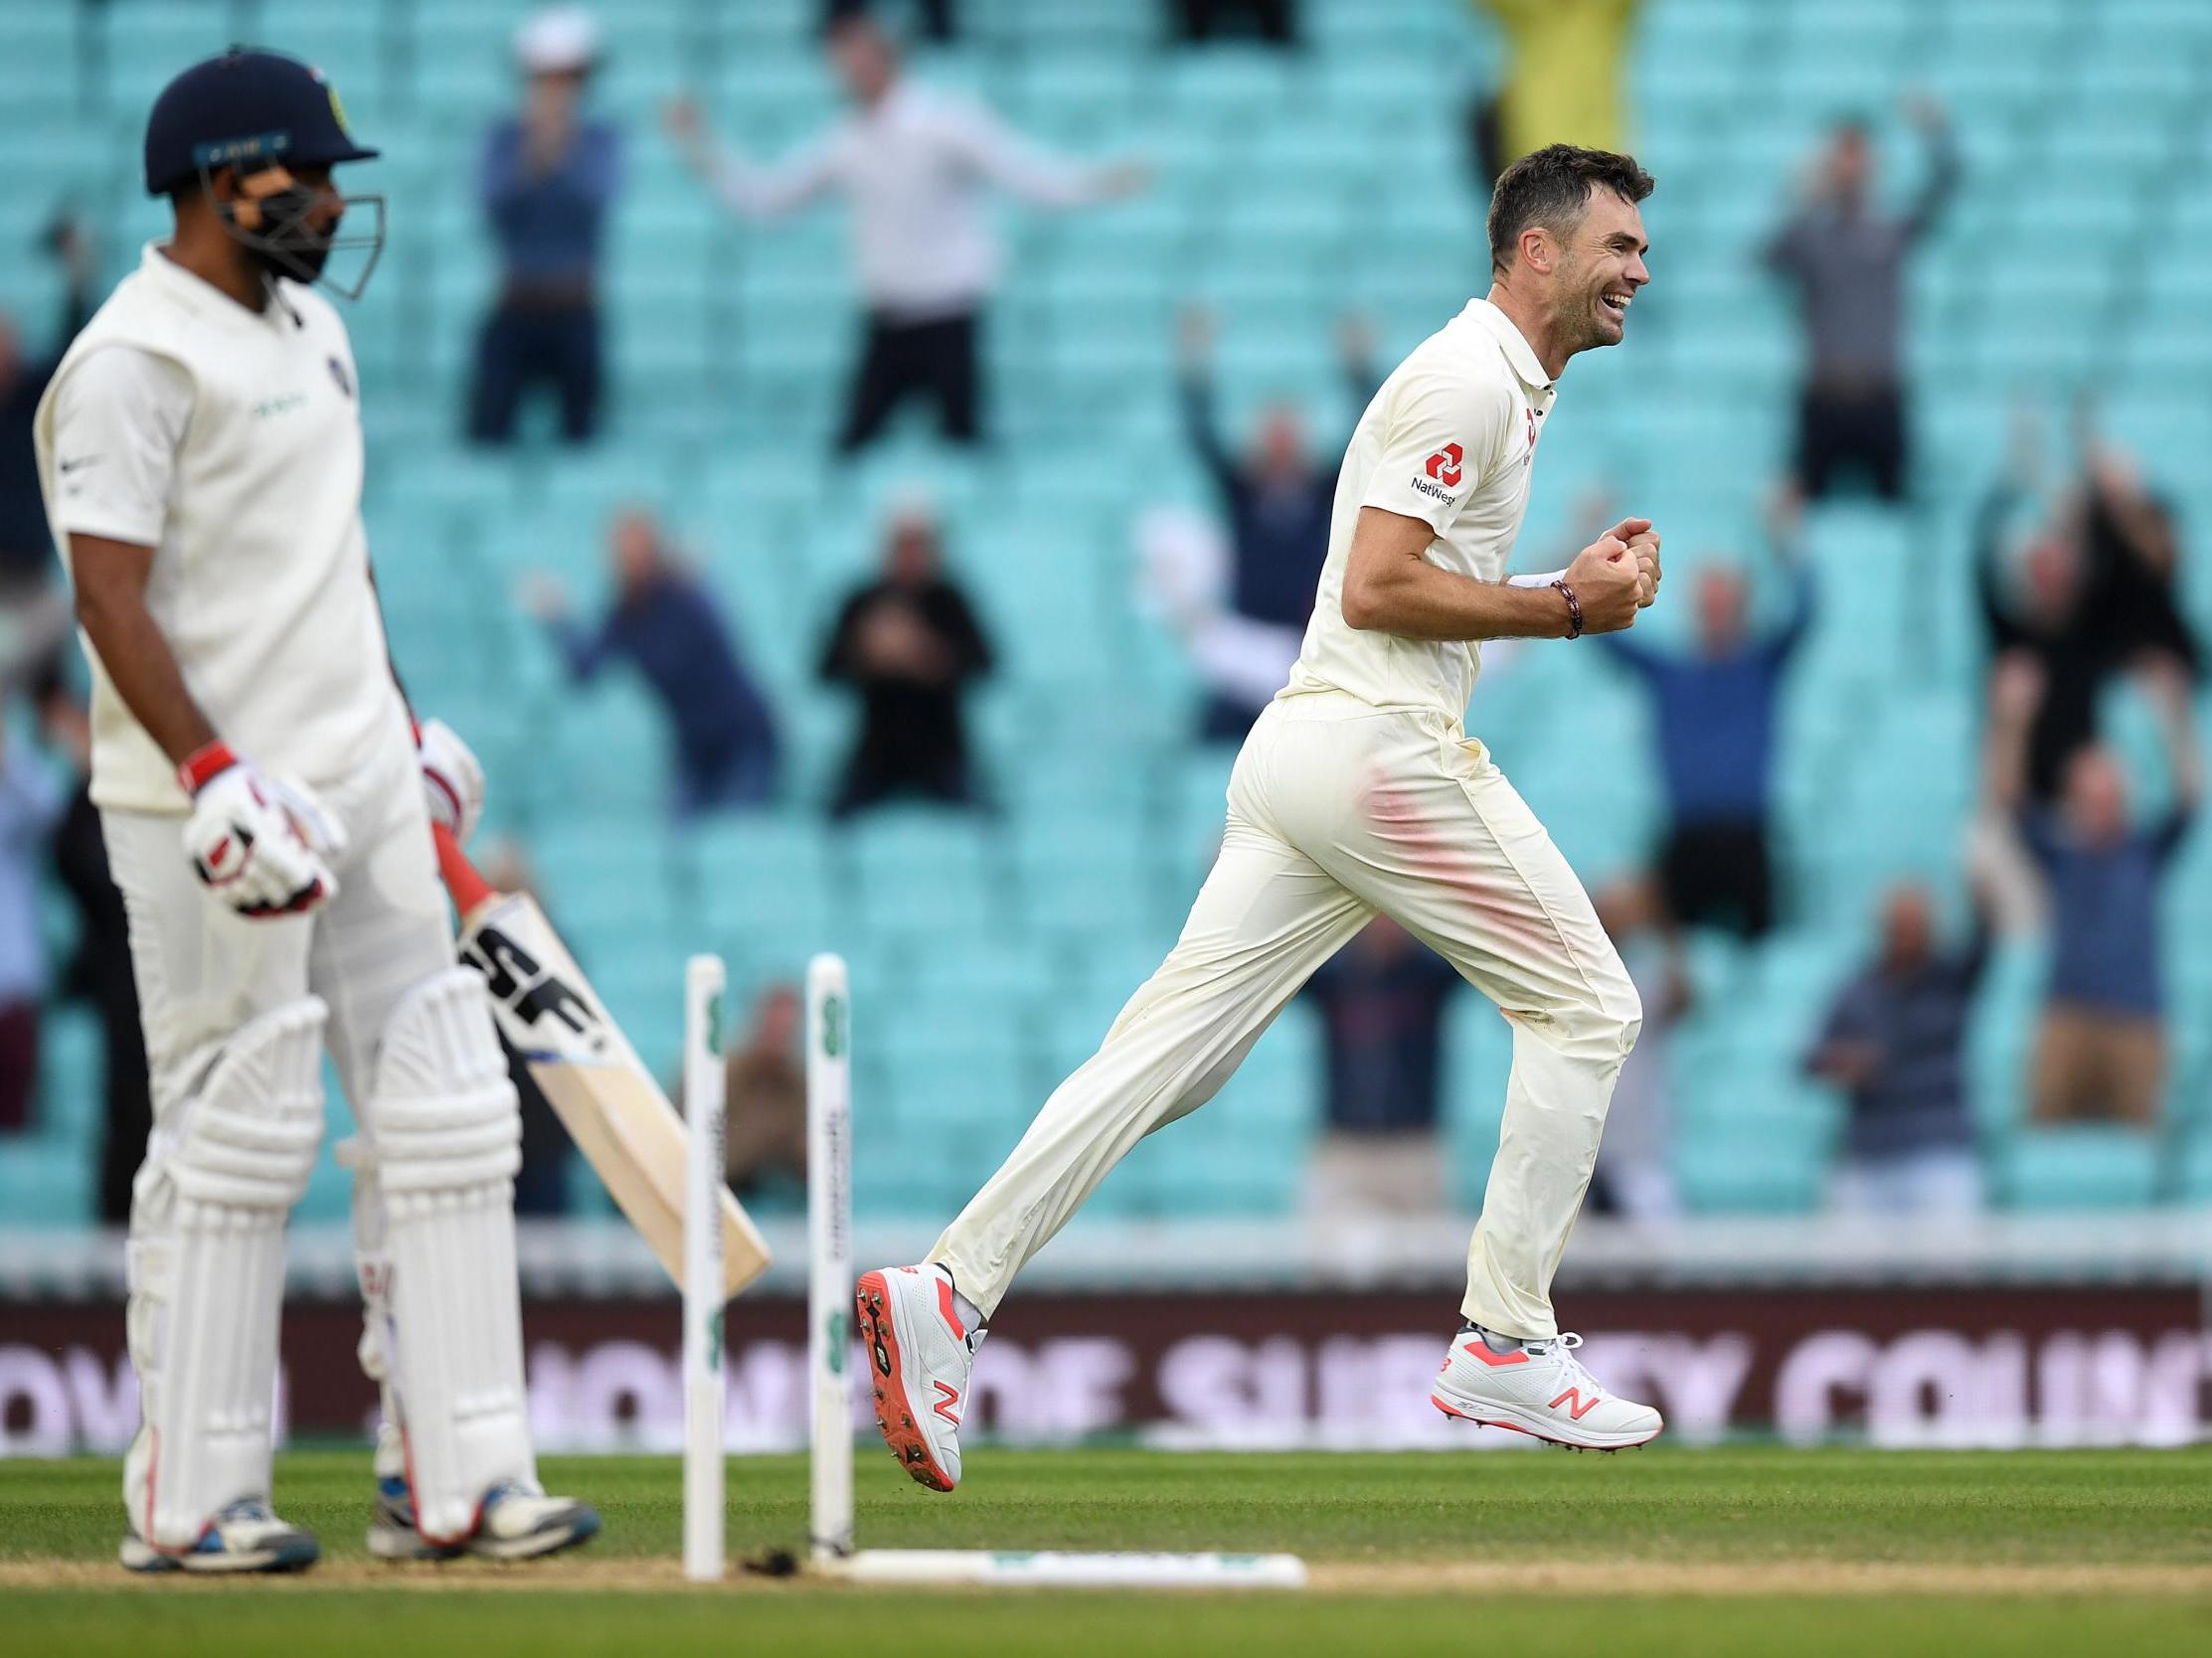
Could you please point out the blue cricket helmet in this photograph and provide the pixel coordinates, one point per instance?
(243, 107)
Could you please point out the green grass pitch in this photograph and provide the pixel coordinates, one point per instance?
(1674, 1551)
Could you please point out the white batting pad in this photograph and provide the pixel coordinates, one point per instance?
(434, 1230)
(207, 1272)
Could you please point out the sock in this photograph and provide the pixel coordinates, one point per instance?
(1501, 1344)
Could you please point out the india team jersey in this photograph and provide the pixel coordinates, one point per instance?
(1451, 439)
(229, 440)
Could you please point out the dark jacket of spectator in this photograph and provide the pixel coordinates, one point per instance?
(1896, 1040)
(549, 221)
(665, 622)
(26, 541)
(909, 643)
(1382, 1003)
(2104, 910)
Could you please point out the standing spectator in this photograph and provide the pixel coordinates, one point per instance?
(1197, 21)
(764, 1155)
(31, 801)
(2101, 1050)
(665, 622)
(1895, 1043)
(1846, 261)
(1278, 502)
(1635, 1176)
(100, 972)
(547, 180)
(1562, 82)
(914, 163)
(29, 598)
(1382, 1000)
(1716, 715)
(2084, 586)
(909, 643)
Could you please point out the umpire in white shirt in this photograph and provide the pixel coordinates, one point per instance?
(915, 163)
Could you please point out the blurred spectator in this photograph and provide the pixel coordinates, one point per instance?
(1561, 82)
(2101, 1050)
(936, 16)
(542, 1183)
(1715, 711)
(665, 622)
(100, 972)
(1635, 1176)
(31, 802)
(547, 179)
(1382, 999)
(1846, 261)
(1197, 21)
(1278, 500)
(1895, 1043)
(909, 643)
(2084, 585)
(764, 1150)
(914, 163)
(34, 611)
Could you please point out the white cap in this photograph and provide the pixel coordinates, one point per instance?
(561, 40)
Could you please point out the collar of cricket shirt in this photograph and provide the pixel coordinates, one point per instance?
(1518, 351)
(205, 300)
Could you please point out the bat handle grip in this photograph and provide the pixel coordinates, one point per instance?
(471, 891)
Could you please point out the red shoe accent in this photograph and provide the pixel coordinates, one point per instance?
(1479, 1350)
(945, 1306)
(943, 1406)
(895, 1414)
(1581, 1408)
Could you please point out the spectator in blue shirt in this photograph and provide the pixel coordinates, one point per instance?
(2101, 1050)
(1278, 503)
(1715, 711)
(666, 625)
(547, 179)
(31, 802)
(1895, 1043)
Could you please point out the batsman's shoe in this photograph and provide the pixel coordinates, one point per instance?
(514, 1523)
(246, 1536)
(1538, 1387)
(920, 1352)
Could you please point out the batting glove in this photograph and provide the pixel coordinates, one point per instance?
(452, 780)
(262, 845)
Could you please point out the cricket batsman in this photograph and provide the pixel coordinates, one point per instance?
(267, 805)
(1357, 792)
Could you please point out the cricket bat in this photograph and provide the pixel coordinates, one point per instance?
(603, 1092)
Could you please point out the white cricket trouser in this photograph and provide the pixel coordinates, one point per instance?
(204, 971)
(1338, 810)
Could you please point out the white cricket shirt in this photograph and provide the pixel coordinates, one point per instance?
(916, 166)
(229, 440)
(1451, 439)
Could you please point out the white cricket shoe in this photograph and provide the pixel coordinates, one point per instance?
(244, 1537)
(514, 1522)
(1541, 1389)
(920, 1352)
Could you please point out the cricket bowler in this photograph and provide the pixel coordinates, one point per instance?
(267, 805)
(1358, 793)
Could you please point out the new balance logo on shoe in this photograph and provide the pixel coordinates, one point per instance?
(1581, 1408)
(947, 1406)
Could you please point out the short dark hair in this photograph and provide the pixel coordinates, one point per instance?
(1552, 187)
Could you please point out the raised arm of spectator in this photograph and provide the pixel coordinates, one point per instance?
(2169, 686)
(746, 186)
(1784, 534)
(1195, 392)
(1988, 545)
(2015, 693)
(993, 151)
(1927, 115)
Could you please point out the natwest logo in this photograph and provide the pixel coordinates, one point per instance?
(1444, 465)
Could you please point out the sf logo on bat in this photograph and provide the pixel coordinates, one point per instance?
(532, 995)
